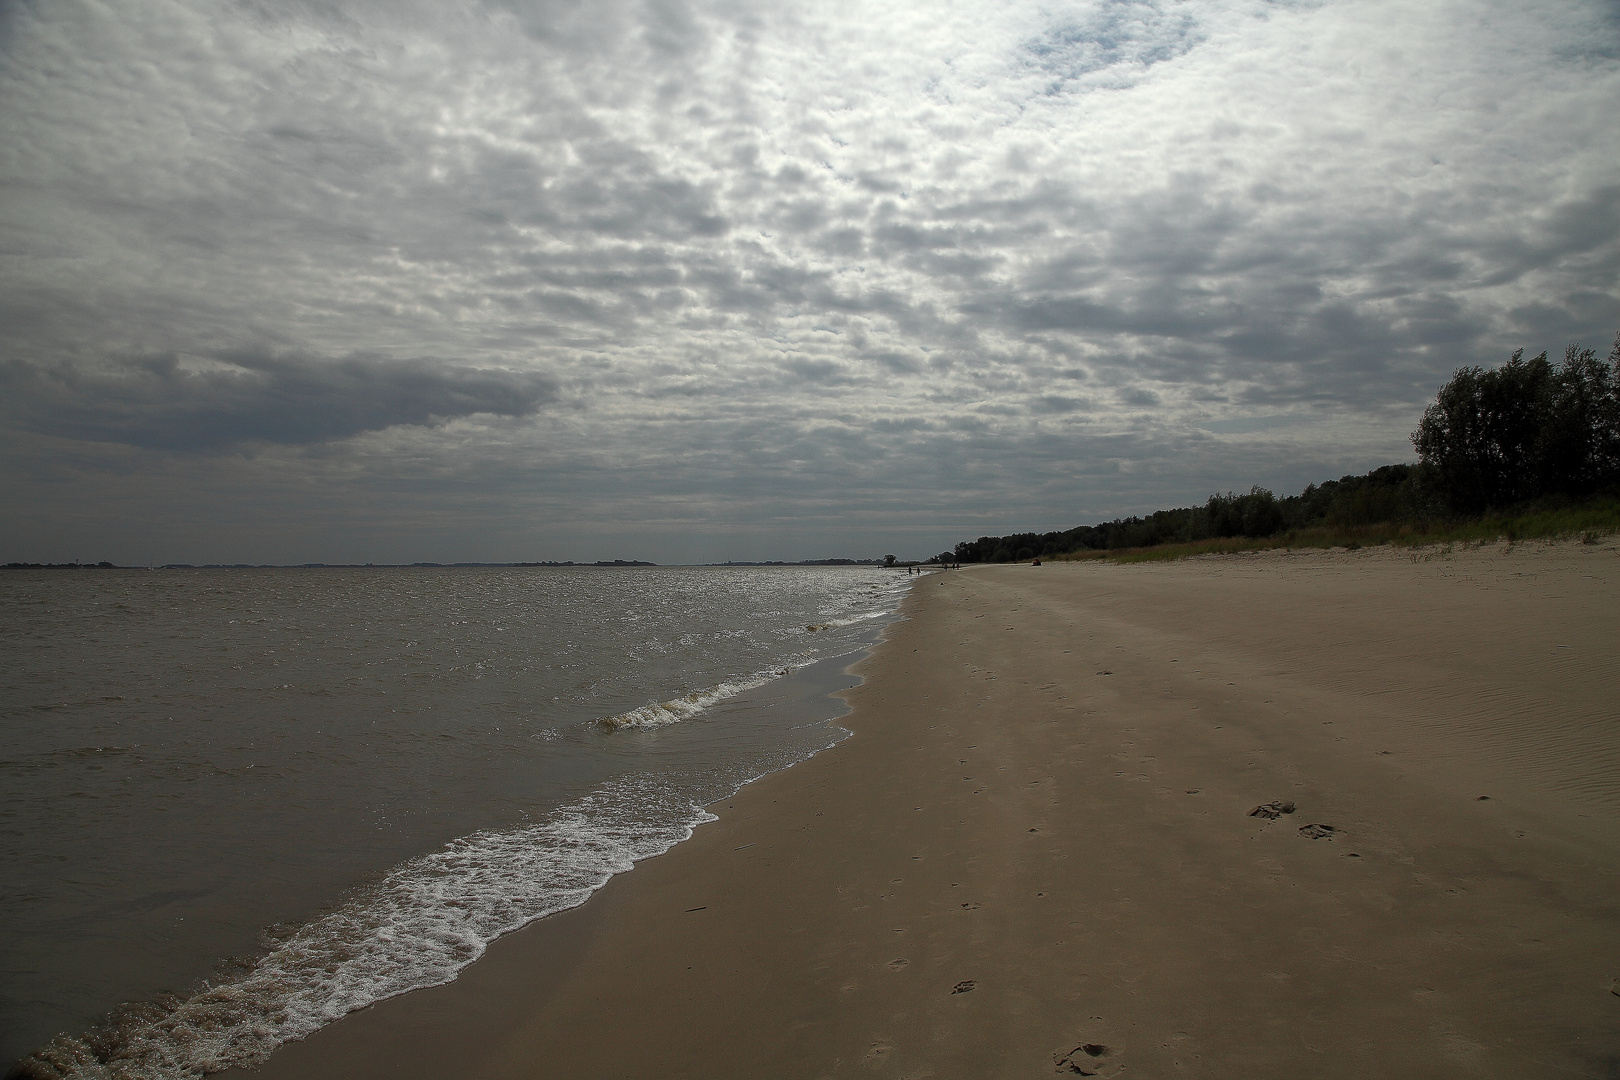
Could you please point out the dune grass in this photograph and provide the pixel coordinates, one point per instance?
(1590, 521)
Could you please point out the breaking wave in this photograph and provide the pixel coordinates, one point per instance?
(425, 921)
(663, 713)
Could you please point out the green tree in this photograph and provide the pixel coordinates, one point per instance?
(1525, 430)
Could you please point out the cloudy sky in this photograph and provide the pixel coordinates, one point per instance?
(706, 279)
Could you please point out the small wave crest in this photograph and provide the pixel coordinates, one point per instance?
(848, 620)
(425, 921)
(663, 713)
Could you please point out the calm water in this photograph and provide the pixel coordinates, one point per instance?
(236, 804)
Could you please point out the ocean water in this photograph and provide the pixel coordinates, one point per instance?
(237, 804)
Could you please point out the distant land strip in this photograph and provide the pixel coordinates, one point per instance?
(306, 566)
(104, 565)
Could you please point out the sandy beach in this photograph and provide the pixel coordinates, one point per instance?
(1036, 856)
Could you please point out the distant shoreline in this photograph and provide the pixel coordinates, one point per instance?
(414, 565)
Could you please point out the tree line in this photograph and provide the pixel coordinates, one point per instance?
(1493, 440)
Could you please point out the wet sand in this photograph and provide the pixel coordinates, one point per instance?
(1036, 856)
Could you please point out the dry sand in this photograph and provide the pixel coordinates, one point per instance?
(1039, 840)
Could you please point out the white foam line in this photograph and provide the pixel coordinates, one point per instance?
(673, 711)
(429, 918)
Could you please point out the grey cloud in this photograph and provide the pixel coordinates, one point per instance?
(1059, 403)
(819, 372)
(243, 399)
(1572, 227)
(1250, 424)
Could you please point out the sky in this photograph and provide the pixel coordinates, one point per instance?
(686, 281)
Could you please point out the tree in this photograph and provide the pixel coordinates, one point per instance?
(1524, 430)
(1254, 514)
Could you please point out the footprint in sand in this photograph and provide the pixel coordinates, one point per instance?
(965, 986)
(1271, 810)
(896, 965)
(1084, 1060)
(1317, 832)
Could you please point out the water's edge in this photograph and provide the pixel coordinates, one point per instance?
(440, 911)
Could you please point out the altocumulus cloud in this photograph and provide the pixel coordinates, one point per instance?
(507, 279)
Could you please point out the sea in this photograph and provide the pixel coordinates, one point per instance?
(236, 804)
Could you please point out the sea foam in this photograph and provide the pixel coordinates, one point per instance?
(418, 927)
(663, 713)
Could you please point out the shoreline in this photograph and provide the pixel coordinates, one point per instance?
(1017, 855)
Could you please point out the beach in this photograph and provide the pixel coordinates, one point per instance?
(1037, 853)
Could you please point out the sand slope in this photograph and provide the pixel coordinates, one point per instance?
(1045, 810)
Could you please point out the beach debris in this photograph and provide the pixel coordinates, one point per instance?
(705, 907)
(1272, 810)
(1105, 672)
(1081, 1059)
(1483, 798)
(1316, 832)
(963, 987)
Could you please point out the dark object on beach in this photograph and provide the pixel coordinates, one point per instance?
(1037, 562)
(1271, 811)
(1483, 798)
(964, 986)
(1316, 832)
(1105, 672)
(1073, 1062)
